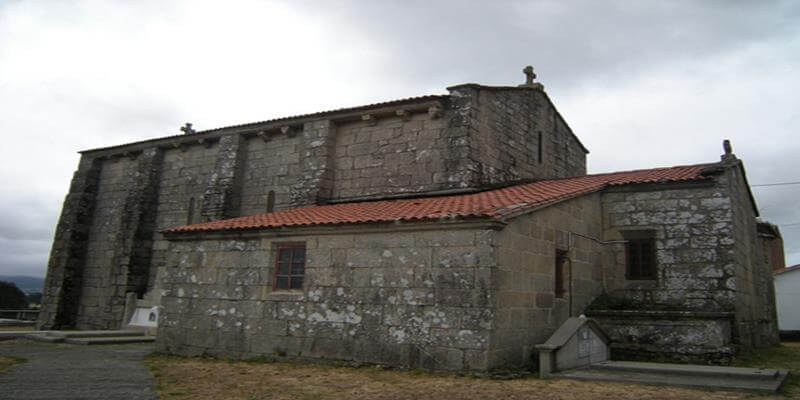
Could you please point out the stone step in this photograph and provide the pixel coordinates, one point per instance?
(83, 334)
(18, 334)
(669, 377)
(44, 338)
(110, 340)
(688, 369)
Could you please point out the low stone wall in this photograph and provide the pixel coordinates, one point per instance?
(670, 336)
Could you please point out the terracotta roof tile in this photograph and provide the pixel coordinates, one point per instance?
(787, 269)
(496, 204)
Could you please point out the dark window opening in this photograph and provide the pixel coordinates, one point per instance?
(270, 201)
(560, 273)
(290, 266)
(640, 257)
(540, 147)
(190, 214)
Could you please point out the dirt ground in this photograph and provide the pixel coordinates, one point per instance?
(7, 362)
(198, 378)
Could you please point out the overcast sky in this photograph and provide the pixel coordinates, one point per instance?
(642, 83)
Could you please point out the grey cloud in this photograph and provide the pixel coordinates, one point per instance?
(604, 51)
(24, 257)
(568, 41)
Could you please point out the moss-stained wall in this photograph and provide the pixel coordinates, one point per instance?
(713, 292)
(417, 299)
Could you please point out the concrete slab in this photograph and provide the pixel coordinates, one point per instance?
(17, 334)
(693, 376)
(83, 334)
(110, 340)
(688, 369)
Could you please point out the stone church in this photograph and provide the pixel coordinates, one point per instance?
(450, 232)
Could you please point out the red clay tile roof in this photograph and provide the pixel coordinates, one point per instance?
(787, 269)
(495, 204)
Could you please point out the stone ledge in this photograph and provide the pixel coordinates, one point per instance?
(661, 314)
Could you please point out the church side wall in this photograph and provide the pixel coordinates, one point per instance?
(527, 307)
(64, 281)
(415, 299)
(390, 156)
(705, 301)
(188, 180)
(518, 135)
(182, 185)
(694, 238)
(756, 318)
(269, 165)
(97, 293)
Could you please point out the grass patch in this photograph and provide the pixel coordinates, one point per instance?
(784, 356)
(6, 362)
(26, 328)
(201, 378)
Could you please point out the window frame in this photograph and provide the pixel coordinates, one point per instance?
(643, 274)
(292, 246)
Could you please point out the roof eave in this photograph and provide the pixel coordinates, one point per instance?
(476, 222)
(349, 113)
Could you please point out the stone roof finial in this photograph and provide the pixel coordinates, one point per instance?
(187, 129)
(728, 149)
(530, 76)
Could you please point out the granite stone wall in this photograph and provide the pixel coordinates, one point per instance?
(415, 299)
(64, 280)
(528, 309)
(756, 318)
(476, 137)
(390, 156)
(269, 164)
(710, 269)
(693, 230)
(515, 134)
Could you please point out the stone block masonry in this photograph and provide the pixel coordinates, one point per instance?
(475, 292)
(68, 254)
(712, 295)
(109, 240)
(414, 299)
(529, 306)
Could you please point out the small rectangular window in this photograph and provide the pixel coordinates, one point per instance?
(640, 255)
(290, 266)
(561, 258)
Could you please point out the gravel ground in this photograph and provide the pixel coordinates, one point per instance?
(76, 372)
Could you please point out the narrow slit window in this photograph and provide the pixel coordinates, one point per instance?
(271, 201)
(190, 212)
(560, 273)
(540, 147)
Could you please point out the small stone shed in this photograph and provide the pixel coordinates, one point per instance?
(475, 281)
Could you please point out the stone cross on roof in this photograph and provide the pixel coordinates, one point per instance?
(187, 129)
(529, 77)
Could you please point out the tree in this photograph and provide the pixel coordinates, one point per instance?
(11, 297)
(34, 299)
